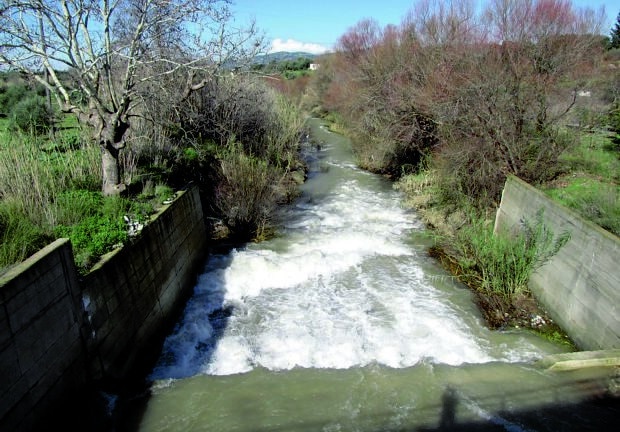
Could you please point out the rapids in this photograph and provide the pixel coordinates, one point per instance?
(344, 323)
(347, 283)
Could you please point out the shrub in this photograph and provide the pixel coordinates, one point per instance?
(10, 95)
(501, 264)
(31, 115)
(475, 169)
(247, 194)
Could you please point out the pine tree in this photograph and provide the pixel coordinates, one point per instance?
(615, 35)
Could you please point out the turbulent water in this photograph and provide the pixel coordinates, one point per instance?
(341, 323)
(347, 283)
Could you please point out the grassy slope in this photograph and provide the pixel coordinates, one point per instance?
(591, 183)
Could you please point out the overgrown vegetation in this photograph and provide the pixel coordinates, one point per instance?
(453, 100)
(236, 138)
(591, 182)
(161, 95)
(502, 265)
(50, 189)
(24, 105)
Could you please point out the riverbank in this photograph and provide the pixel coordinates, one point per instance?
(521, 311)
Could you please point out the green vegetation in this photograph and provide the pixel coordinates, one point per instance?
(51, 189)
(502, 265)
(288, 68)
(32, 115)
(591, 183)
(24, 105)
(450, 118)
(236, 138)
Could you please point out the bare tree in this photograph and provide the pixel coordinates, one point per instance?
(115, 51)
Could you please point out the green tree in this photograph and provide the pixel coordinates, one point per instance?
(615, 34)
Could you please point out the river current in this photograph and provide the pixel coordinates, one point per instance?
(342, 322)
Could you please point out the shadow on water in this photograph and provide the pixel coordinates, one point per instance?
(597, 413)
(575, 404)
(600, 411)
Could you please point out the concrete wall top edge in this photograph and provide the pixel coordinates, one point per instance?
(577, 218)
(22, 268)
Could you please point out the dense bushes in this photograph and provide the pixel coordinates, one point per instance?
(483, 93)
(31, 115)
(247, 195)
(24, 105)
(238, 139)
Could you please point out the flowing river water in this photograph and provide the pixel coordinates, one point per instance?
(342, 323)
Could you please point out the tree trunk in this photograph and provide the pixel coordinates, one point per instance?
(110, 171)
(111, 132)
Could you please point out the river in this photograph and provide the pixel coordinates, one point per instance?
(342, 323)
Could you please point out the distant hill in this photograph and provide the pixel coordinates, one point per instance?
(282, 56)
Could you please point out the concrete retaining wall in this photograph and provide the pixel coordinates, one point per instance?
(42, 355)
(130, 293)
(580, 286)
(59, 332)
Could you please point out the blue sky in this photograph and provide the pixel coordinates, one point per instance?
(315, 25)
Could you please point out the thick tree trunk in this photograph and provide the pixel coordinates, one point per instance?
(110, 171)
(111, 139)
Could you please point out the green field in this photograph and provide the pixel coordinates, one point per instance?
(590, 184)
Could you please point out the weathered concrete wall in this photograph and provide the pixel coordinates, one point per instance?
(42, 355)
(580, 286)
(131, 292)
(59, 332)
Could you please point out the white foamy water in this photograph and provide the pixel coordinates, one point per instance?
(341, 288)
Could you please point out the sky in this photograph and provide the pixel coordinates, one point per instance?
(315, 25)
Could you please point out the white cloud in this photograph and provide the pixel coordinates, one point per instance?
(293, 46)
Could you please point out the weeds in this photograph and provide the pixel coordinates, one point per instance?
(19, 236)
(50, 190)
(247, 195)
(35, 178)
(501, 264)
(98, 234)
(591, 185)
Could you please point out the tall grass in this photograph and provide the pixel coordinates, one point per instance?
(34, 175)
(248, 193)
(32, 178)
(501, 264)
(591, 185)
(282, 138)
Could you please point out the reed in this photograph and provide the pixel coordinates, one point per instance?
(503, 264)
(34, 175)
